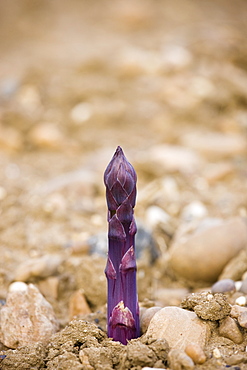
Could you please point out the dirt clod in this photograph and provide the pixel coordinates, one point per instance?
(207, 306)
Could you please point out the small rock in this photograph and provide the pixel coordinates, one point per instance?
(238, 285)
(217, 353)
(10, 139)
(202, 254)
(229, 329)
(155, 216)
(217, 171)
(146, 317)
(46, 135)
(243, 288)
(207, 306)
(49, 287)
(196, 353)
(223, 286)
(81, 113)
(236, 267)
(242, 319)
(175, 58)
(179, 360)
(18, 286)
(215, 144)
(235, 359)
(41, 267)
(241, 301)
(78, 305)
(171, 158)
(179, 327)
(29, 98)
(26, 317)
(236, 311)
(194, 211)
(170, 296)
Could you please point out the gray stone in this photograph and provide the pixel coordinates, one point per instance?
(223, 286)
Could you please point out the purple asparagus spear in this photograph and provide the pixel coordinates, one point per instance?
(122, 303)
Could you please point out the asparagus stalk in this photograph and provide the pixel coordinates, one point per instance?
(122, 302)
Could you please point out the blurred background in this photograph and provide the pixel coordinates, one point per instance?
(165, 80)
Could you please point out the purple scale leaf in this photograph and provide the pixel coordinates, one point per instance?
(128, 261)
(129, 183)
(133, 228)
(122, 316)
(110, 270)
(125, 212)
(118, 192)
(111, 202)
(116, 229)
(121, 175)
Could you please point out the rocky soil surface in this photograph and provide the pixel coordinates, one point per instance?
(167, 81)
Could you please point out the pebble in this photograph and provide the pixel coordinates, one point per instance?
(242, 319)
(155, 216)
(46, 135)
(170, 296)
(27, 317)
(10, 139)
(29, 99)
(194, 211)
(146, 317)
(217, 353)
(229, 329)
(178, 327)
(179, 360)
(175, 57)
(215, 144)
(196, 353)
(170, 158)
(41, 267)
(78, 305)
(241, 301)
(217, 171)
(223, 286)
(243, 288)
(49, 287)
(202, 254)
(8, 87)
(81, 113)
(236, 267)
(236, 310)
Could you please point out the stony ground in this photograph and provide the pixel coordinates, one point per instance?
(168, 82)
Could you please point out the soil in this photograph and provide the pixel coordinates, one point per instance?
(77, 79)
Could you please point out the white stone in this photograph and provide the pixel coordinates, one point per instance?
(194, 210)
(172, 158)
(41, 267)
(81, 113)
(26, 318)
(178, 327)
(18, 286)
(202, 254)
